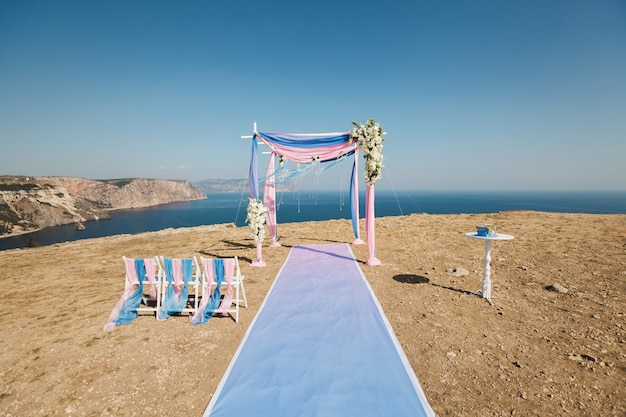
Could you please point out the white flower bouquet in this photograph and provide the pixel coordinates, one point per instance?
(370, 140)
(256, 219)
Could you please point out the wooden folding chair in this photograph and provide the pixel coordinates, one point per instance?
(150, 282)
(232, 292)
(142, 291)
(181, 286)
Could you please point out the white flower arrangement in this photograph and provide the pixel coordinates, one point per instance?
(370, 140)
(256, 218)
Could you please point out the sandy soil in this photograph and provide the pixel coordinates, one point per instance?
(534, 352)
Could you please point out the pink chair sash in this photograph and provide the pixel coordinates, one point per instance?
(229, 272)
(207, 266)
(150, 272)
(178, 281)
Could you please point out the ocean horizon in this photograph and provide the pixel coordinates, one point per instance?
(302, 206)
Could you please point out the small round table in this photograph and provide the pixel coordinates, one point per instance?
(486, 289)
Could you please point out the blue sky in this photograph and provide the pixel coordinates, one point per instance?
(473, 95)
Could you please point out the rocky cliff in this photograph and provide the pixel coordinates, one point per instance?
(31, 203)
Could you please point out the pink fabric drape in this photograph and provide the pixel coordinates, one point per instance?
(269, 201)
(131, 272)
(324, 153)
(177, 270)
(259, 255)
(207, 267)
(369, 226)
(229, 272)
(150, 273)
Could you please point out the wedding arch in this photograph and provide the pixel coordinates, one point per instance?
(316, 148)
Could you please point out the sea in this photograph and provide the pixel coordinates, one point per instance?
(303, 206)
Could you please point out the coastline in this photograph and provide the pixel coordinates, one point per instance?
(50, 201)
(534, 349)
(24, 232)
(112, 211)
(323, 205)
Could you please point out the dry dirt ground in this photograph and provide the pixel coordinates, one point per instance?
(535, 352)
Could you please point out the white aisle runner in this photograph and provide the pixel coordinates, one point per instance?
(320, 345)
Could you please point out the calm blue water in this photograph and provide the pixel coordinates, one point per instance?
(306, 206)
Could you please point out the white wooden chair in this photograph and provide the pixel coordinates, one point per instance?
(142, 291)
(232, 289)
(150, 282)
(181, 286)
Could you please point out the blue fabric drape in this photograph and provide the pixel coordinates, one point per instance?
(305, 141)
(283, 174)
(253, 176)
(214, 301)
(354, 199)
(128, 312)
(171, 303)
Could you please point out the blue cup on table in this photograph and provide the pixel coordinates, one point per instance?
(486, 231)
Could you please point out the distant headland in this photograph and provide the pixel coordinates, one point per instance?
(32, 203)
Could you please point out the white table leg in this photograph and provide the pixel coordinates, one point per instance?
(486, 292)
